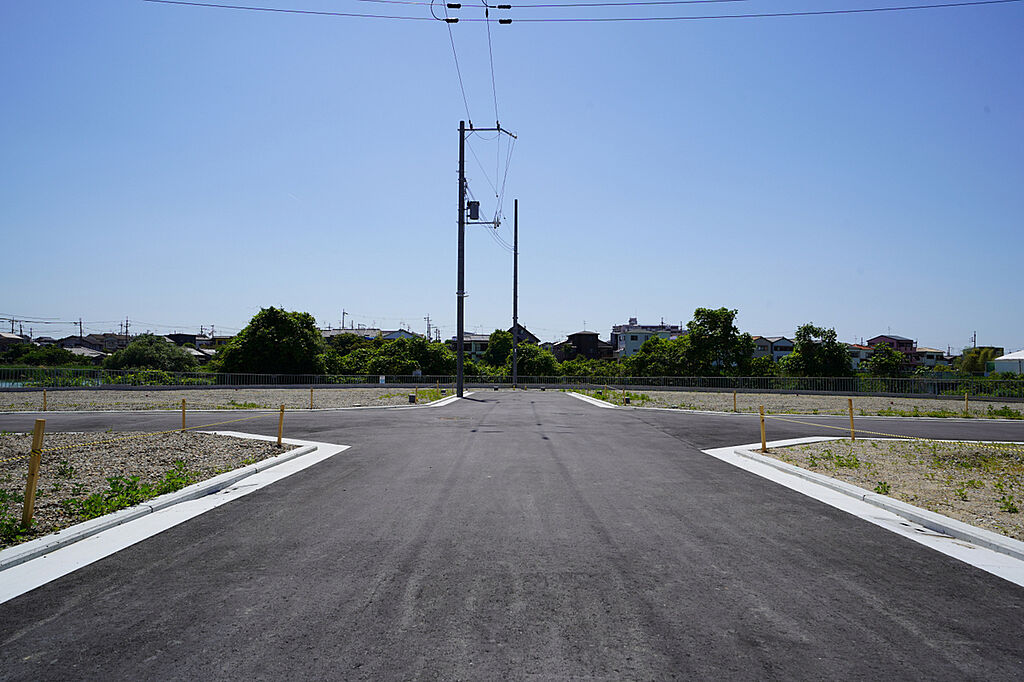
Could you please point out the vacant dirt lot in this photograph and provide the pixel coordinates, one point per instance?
(979, 484)
(201, 399)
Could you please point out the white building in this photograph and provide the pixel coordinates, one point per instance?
(626, 339)
(1012, 362)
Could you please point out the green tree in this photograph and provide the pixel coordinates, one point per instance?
(885, 361)
(533, 361)
(658, 357)
(764, 366)
(817, 353)
(276, 342)
(499, 345)
(148, 351)
(975, 360)
(713, 345)
(27, 354)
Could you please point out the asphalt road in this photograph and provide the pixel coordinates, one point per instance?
(525, 535)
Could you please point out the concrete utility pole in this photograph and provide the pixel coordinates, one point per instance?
(515, 295)
(460, 292)
(342, 318)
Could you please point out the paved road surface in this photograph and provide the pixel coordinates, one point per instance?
(525, 535)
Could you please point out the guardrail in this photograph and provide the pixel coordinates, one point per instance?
(35, 377)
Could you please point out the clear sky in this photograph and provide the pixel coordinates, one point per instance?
(186, 166)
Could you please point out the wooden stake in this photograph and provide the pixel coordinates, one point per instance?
(967, 404)
(182, 414)
(44, 400)
(33, 473)
(764, 443)
(280, 427)
(853, 434)
(734, 402)
(311, 397)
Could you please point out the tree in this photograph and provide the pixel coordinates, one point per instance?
(276, 342)
(713, 345)
(885, 361)
(533, 361)
(975, 360)
(39, 356)
(148, 351)
(817, 353)
(764, 367)
(658, 357)
(499, 345)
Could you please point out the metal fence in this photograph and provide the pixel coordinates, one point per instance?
(35, 377)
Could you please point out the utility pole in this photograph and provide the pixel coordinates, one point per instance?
(81, 336)
(515, 295)
(343, 313)
(460, 292)
(427, 318)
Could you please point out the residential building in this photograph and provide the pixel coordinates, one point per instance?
(1011, 362)
(363, 332)
(182, 339)
(900, 343)
(473, 345)
(88, 354)
(928, 357)
(7, 340)
(858, 354)
(525, 335)
(775, 347)
(106, 343)
(399, 334)
(583, 344)
(626, 339)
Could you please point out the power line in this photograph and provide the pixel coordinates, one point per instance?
(455, 54)
(280, 10)
(624, 4)
(759, 15)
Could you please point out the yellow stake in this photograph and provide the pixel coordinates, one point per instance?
(853, 434)
(182, 414)
(734, 402)
(311, 397)
(33, 473)
(764, 443)
(280, 427)
(967, 404)
(44, 400)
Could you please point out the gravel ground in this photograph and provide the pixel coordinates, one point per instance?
(77, 472)
(779, 403)
(971, 483)
(202, 399)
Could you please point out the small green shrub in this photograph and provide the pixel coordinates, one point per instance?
(883, 488)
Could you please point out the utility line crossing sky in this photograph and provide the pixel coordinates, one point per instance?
(188, 165)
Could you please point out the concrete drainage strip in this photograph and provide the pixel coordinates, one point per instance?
(928, 519)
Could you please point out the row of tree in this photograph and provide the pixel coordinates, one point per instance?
(277, 341)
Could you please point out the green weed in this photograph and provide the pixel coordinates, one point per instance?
(883, 488)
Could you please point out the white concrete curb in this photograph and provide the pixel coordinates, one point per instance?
(928, 519)
(27, 551)
(593, 401)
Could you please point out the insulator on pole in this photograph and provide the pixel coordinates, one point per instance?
(451, 20)
(504, 21)
(504, 6)
(454, 5)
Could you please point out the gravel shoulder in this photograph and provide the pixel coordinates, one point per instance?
(201, 399)
(978, 484)
(76, 466)
(785, 403)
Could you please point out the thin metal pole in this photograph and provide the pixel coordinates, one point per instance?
(515, 296)
(460, 291)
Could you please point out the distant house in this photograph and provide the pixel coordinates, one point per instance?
(88, 354)
(583, 344)
(45, 341)
(182, 339)
(473, 345)
(525, 335)
(1012, 362)
(7, 340)
(900, 343)
(626, 339)
(399, 334)
(774, 347)
(858, 354)
(70, 342)
(928, 357)
(369, 333)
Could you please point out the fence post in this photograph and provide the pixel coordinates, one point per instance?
(182, 414)
(44, 400)
(764, 444)
(280, 427)
(33, 473)
(853, 434)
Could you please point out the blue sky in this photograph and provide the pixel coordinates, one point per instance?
(185, 166)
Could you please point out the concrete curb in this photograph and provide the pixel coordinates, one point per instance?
(19, 554)
(929, 519)
(597, 402)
